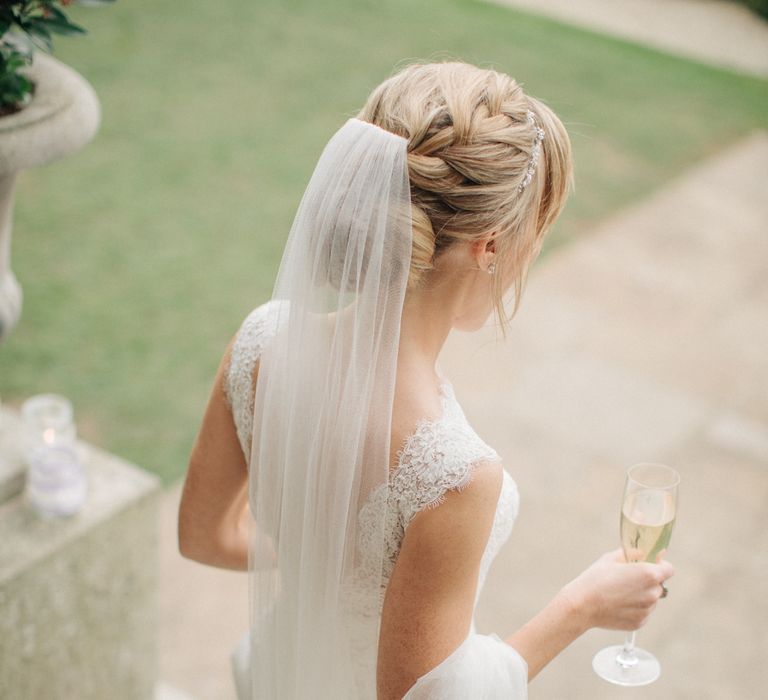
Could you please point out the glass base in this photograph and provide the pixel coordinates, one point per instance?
(639, 668)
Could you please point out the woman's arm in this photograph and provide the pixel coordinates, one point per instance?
(213, 513)
(610, 594)
(430, 597)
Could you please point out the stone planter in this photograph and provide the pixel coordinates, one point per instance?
(63, 116)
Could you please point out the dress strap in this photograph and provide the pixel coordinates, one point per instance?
(251, 338)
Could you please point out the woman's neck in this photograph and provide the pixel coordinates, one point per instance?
(424, 328)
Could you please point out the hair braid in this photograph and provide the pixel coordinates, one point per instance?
(470, 145)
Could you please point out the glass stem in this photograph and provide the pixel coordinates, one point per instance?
(627, 658)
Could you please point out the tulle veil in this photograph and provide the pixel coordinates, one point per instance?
(319, 466)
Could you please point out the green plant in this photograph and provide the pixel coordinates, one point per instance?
(26, 25)
(758, 6)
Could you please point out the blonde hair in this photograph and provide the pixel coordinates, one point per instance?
(469, 146)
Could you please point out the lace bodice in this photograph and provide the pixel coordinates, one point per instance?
(437, 456)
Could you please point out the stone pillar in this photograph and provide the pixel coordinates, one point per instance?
(10, 290)
(78, 596)
(63, 116)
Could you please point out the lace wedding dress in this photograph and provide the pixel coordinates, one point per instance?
(436, 457)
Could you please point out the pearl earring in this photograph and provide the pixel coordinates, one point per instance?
(491, 268)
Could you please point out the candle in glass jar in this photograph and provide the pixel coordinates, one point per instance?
(56, 482)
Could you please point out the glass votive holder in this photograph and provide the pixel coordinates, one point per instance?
(56, 483)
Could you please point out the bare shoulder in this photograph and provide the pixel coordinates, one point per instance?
(430, 597)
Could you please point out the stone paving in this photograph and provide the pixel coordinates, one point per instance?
(644, 341)
(203, 613)
(720, 32)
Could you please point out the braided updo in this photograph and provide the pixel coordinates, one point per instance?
(469, 146)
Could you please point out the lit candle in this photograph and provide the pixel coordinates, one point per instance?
(56, 481)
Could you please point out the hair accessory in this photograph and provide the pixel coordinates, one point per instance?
(534, 152)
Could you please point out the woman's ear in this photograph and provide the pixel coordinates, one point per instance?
(484, 250)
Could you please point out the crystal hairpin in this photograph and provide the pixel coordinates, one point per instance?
(534, 151)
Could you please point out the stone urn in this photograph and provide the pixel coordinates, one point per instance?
(62, 116)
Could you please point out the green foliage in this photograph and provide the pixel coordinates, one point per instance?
(758, 6)
(26, 25)
(15, 88)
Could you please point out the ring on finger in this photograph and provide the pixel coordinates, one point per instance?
(664, 591)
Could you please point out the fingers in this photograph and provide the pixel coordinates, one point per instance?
(657, 573)
(615, 555)
(626, 595)
(645, 618)
(666, 570)
(661, 572)
(635, 618)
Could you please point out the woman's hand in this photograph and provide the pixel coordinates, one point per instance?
(617, 595)
(611, 594)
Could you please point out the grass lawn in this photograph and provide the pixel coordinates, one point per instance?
(141, 254)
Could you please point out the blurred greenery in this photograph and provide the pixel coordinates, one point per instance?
(758, 6)
(142, 253)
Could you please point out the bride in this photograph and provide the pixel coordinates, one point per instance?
(334, 461)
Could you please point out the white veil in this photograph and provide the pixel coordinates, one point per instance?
(322, 420)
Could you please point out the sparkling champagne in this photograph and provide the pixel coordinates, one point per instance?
(648, 513)
(647, 519)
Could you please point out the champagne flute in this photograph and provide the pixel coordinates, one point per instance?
(647, 518)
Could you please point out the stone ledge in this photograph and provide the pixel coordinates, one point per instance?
(79, 594)
(113, 484)
(11, 462)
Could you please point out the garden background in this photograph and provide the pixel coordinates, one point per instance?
(140, 255)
